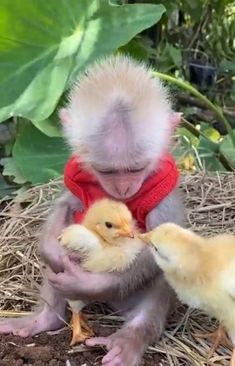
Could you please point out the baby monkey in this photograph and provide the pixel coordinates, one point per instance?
(118, 122)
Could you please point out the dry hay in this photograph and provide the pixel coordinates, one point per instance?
(210, 202)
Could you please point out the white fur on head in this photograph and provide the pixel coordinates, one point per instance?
(118, 109)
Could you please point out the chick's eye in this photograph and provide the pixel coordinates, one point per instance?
(108, 225)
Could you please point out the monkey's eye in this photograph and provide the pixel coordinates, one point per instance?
(137, 170)
(109, 225)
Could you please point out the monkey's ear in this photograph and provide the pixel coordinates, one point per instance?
(175, 119)
(64, 115)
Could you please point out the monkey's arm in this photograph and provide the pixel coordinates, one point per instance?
(61, 216)
(171, 209)
(74, 282)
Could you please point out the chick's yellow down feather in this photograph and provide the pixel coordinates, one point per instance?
(96, 256)
(78, 237)
(200, 270)
(107, 240)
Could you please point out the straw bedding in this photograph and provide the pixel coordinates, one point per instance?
(210, 202)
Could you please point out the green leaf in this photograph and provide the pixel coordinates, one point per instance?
(136, 49)
(183, 132)
(5, 188)
(40, 97)
(226, 148)
(38, 157)
(45, 44)
(50, 126)
(226, 65)
(176, 55)
(208, 150)
(168, 58)
(11, 170)
(210, 132)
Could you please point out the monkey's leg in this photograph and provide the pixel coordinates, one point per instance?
(49, 317)
(79, 335)
(145, 323)
(218, 337)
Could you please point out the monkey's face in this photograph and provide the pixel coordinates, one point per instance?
(122, 184)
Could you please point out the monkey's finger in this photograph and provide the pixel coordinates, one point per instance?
(55, 279)
(99, 341)
(70, 267)
(52, 277)
(115, 351)
(67, 264)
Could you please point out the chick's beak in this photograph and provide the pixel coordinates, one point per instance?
(145, 237)
(131, 235)
(127, 232)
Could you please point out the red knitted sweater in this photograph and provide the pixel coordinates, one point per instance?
(155, 188)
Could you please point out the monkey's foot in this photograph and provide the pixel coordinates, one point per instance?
(218, 337)
(33, 324)
(80, 335)
(232, 362)
(125, 348)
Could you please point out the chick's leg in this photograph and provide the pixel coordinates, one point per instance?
(79, 335)
(84, 324)
(218, 337)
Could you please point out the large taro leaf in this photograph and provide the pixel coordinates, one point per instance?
(44, 44)
(38, 157)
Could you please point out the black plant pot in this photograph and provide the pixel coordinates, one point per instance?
(202, 75)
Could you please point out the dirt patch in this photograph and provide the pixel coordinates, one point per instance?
(54, 350)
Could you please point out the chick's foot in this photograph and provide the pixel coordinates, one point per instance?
(124, 349)
(81, 330)
(218, 337)
(44, 320)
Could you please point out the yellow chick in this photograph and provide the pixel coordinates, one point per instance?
(201, 271)
(105, 241)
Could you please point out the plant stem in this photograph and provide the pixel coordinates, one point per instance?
(186, 86)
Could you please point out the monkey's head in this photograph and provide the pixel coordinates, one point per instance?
(119, 122)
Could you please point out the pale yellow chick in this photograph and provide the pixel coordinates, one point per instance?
(200, 270)
(107, 240)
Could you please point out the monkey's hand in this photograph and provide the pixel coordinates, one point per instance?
(76, 283)
(61, 216)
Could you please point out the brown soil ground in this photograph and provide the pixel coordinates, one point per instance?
(54, 350)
